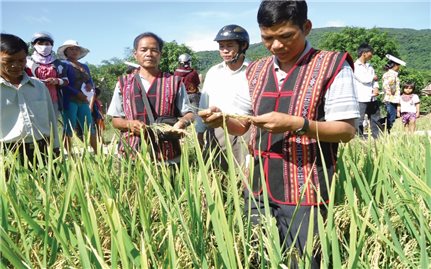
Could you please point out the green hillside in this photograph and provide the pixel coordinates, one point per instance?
(414, 46)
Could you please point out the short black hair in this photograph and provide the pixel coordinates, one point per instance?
(273, 12)
(390, 65)
(363, 48)
(148, 34)
(12, 44)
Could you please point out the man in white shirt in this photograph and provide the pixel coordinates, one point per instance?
(367, 89)
(225, 83)
(26, 110)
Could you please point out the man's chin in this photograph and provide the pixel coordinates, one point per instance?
(149, 65)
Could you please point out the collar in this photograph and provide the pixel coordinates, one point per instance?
(358, 62)
(244, 65)
(393, 71)
(25, 79)
(305, 51)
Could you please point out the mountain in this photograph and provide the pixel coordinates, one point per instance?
(414, 46)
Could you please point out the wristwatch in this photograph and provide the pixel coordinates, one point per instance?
(304, 128)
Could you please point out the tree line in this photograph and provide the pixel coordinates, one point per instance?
(412, 46)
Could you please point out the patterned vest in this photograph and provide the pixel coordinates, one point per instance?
(162, 96)
(292, 164)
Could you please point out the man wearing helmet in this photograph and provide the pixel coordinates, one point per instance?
(190, 78)
(46, 67)
(225, 83)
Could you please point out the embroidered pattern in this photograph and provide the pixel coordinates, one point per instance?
(309, 79)
(161, 95)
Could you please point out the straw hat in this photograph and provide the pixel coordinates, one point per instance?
(395, 60)
(68, 44)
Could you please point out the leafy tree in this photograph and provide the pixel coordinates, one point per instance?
(350, 38)
(170, 53)
(105, 76)
(412, 75)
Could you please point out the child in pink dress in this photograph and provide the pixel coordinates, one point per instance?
(408, 108)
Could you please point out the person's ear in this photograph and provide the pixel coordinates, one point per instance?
(134, 54)
(307, 27)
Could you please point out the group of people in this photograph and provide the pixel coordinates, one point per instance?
(289, 101)
(404, 104)
(296, 105)
(69, 83)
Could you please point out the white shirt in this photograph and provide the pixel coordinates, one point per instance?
(116, 106)
(88, 94)
(409, 104)
(26, 111)
(364, 82)
(225, 89)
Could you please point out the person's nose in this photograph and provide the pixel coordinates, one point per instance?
(276, 44)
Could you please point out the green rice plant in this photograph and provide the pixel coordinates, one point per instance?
(391, 189)
(89, 210)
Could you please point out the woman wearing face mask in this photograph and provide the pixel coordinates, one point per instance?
(44, 65)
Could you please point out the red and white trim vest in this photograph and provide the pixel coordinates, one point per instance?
(161, 95)
(293, 164)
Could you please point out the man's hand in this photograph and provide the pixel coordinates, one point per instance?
(135, 126)
(275, 122)
(376, 92)
(51, 81)
(212, 117)
(180, 124)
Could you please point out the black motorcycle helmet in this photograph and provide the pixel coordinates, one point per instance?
(233, 32)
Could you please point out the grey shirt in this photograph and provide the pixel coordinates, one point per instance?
(26, 111)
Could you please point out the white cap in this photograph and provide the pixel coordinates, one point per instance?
(132, 64)
(395, 60)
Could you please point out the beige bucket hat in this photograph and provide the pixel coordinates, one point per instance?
(68, 44)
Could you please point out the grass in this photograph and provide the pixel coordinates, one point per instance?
(97, 211)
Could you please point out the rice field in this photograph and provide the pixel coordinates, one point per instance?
(97, 211)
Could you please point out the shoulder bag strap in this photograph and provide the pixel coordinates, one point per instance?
(145, 99)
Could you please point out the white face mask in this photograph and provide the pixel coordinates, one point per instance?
(43, 50)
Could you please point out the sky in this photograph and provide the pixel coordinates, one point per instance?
(108, 28)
